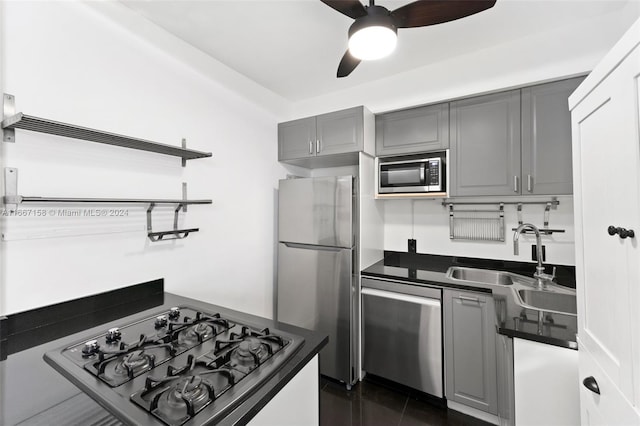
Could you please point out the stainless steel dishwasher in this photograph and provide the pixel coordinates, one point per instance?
(402, 333)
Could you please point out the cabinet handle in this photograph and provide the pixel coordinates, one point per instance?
(469, 299)
(591, 384)
(310, 147)
(622, 232)
(529, 183)
(318, 147)
(516, 186)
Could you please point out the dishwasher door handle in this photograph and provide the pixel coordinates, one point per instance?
(401, 297)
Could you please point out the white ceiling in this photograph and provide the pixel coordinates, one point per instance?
(293, 47)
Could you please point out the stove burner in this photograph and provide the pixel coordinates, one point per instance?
(250, 353)
(133, 362)
(196, 334)
(183, 400)
(120, 366)
(190, 389)
(191, 332)
(185, 391)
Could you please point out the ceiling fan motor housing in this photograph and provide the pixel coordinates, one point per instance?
(376, 16)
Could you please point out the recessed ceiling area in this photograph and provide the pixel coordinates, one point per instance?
(293, 47)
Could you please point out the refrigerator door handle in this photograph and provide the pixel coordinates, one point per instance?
(312, 247)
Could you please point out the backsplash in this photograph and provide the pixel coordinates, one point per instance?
(427, 221)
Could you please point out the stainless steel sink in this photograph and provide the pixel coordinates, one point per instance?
(479, 275)
(549, 301)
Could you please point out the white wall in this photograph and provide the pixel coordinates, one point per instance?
(427, 221)
(67, 62)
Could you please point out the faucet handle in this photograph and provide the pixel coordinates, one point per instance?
(547, 277)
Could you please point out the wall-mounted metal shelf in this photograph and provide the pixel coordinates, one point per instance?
(12, 120)
(19, 199)
(11, 200)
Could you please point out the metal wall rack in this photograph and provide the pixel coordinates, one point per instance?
(12, 200)
(480, 227)
(12, 120)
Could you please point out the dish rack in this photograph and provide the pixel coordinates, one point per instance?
(486, 224)
(476, 225)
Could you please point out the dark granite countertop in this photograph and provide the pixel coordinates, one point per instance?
(24, 372)
(513, 319)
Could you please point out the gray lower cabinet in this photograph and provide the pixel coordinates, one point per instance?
(337, 132)
(485, 145)
(413, 130)
(470, 350)
(546, 138)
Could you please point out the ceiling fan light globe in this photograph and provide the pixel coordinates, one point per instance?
(373, 42)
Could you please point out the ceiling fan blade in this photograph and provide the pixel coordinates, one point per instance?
(430, 12)
(352, 8)
(347, 64)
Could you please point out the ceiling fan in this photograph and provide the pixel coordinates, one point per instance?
(373, 35)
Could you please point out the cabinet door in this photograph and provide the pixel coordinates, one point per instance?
(546, 138)
(609, 407)
(545, 376)
(412, 131)
(470, 350)
(296, 139)
(606, 181)
(340, 132)
(485, 145)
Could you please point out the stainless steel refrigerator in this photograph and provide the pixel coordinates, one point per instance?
(317, 265)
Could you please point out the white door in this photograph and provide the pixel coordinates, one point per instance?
(606, 183)
(607, 169)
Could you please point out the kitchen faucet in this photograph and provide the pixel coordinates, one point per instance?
(541, 277)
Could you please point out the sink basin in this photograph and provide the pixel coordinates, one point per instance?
(479, 276)
(549, 301)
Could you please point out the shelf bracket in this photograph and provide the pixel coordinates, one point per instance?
(11, 198)
(547, 210)
(520, 222)
(184, 146)
(8, 110)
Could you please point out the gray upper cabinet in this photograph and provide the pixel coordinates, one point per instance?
(340, 132)
(297, 138)
(546, 138)
(485, 145)
(317, 141)
(413, 130)
(470, 350)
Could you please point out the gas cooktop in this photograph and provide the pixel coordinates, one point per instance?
(181, 366)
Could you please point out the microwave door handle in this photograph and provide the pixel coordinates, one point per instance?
(423, 180)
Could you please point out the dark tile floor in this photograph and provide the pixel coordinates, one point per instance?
(372, 403)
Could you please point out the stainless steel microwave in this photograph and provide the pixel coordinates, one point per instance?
(413, 174)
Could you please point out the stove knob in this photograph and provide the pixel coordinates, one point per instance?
(161, 321)
(113, 335)
(90, 348)
(174, 314)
